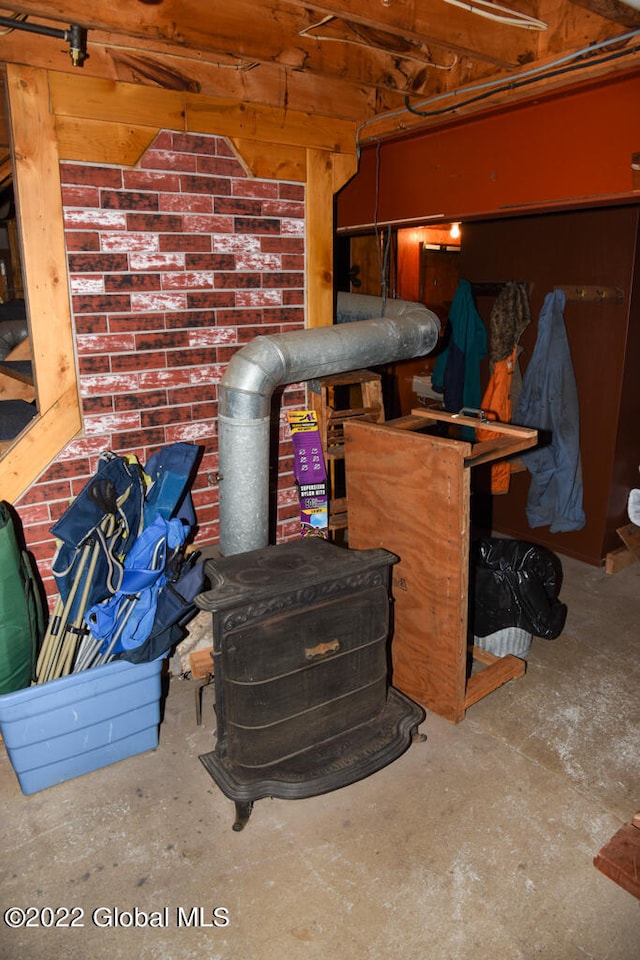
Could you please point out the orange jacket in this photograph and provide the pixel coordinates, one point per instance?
(496, 404)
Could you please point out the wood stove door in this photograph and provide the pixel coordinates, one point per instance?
(297, 678)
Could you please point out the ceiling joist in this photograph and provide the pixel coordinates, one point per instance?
(349, 60)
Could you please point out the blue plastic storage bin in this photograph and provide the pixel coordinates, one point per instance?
(58, 730)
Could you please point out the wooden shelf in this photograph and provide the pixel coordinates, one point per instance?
(340, 399)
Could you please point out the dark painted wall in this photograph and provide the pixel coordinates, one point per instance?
(583, 248)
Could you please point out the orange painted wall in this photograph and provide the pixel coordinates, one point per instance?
(544, 154)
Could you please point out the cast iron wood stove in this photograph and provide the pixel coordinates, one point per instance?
(301, 669)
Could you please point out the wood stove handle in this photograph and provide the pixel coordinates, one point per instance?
(322, 650)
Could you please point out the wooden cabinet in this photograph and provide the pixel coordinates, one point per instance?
(409, 492)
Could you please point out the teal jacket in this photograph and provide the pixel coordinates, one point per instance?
(456, 373)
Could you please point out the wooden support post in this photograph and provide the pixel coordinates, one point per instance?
(319, 242)
(38, 193)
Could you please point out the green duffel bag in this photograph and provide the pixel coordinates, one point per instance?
(22, 618)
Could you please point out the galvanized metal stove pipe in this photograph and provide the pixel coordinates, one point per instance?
(406, 330)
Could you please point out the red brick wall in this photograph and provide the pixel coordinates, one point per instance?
(173, 265)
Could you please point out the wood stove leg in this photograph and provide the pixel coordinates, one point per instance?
(199, 688)
(243, 812)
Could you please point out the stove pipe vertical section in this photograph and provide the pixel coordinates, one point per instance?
(407, 330)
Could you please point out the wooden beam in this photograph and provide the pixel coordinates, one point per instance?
(39, 205)
(512, 430)
(508, 91)
(433, 23)
(131, 104)
(612, 10)
(349, 73)
(201, 663)
(6, 170)
(228, 118)
(486, 451)
(16, 382)
(279, 162)
(271, 161)
(630, 536)
(101, 141)
(619, 559)
(319, 238)
(252, 31)
(39, 444)
(37, 184)
(345, 166)
(497, 673)
(89, 98)
(340, 94)
(360, 65)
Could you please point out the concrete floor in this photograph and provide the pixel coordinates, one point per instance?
(476, 843)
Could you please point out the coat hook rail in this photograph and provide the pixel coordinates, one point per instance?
(592, 294)
(491, 288)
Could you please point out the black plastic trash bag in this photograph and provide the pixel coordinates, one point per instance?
(516, 584)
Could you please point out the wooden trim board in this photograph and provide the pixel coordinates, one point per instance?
(619, 858)
(617, 560)
(630, 536)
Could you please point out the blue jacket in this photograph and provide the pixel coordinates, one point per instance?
(549, 402)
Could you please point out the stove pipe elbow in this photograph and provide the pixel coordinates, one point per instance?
(255, 371)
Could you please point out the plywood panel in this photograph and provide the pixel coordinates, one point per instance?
(409, 493)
